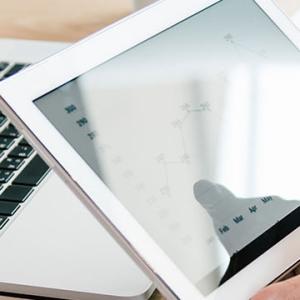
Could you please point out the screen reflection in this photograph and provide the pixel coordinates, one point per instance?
(195, 132)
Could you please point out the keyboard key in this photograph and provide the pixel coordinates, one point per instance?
(3, 221)
(3, 119)
(33, 173)
(12, 163)
(8, 208)
(10, 131)
(15, 69)
(5, 176)
(21, 151)
(5, 142)
(3, 65)
(23, 142)
(16, 193)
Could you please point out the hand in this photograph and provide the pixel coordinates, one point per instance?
(286, 290)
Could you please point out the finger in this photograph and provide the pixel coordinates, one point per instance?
(287, 290)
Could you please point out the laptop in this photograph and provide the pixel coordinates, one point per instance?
(50, 245)
(177, 129)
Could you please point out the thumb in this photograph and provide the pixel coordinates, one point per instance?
(286, 290)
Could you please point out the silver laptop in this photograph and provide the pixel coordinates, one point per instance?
(47, 238)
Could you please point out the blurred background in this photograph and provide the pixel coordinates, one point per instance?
(70, 20)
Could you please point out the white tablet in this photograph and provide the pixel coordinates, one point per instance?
(178, 128)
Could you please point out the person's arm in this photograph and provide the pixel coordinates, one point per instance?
(285, 290)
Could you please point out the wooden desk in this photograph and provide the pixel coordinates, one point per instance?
(70, 20)
(63, 20)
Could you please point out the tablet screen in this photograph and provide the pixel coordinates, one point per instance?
(196, 132)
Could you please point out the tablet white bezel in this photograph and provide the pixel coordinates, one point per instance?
(20, 91)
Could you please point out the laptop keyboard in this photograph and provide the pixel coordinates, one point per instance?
(21, 169)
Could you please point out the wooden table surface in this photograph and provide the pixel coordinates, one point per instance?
(63, 20)
(70, 20)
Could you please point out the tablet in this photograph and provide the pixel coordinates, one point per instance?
(178, 128)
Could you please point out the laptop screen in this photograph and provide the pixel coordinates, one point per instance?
(194, 131)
